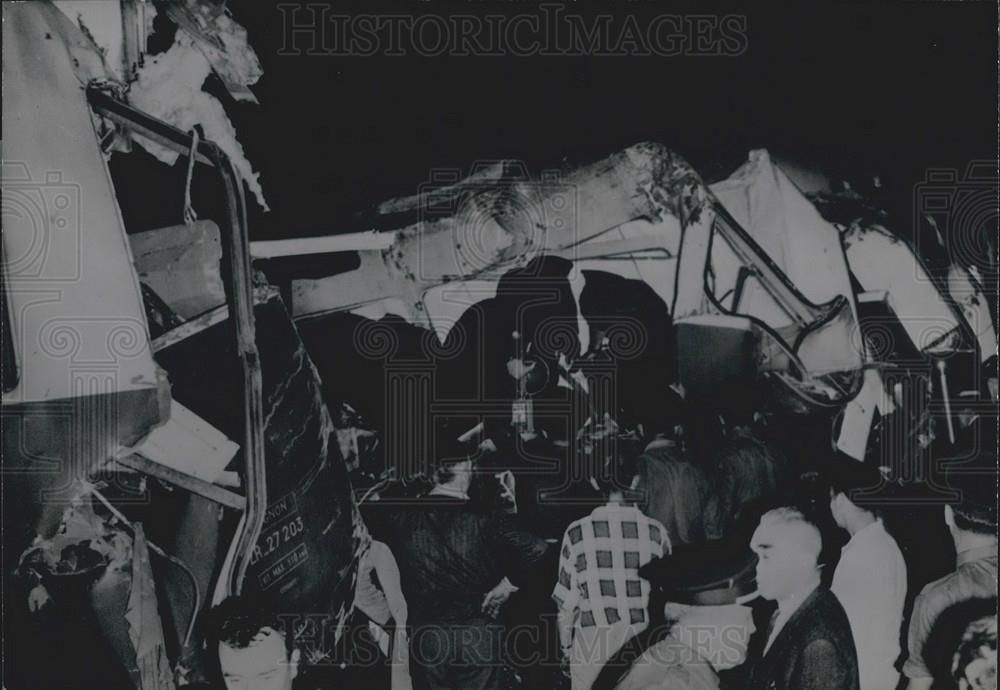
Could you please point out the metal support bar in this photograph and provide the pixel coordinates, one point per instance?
(190, 328)
(301, 246)
(185, 481)
(239, 296)
(772, 278)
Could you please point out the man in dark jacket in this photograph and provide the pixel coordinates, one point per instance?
(809, 644)
(456, 563)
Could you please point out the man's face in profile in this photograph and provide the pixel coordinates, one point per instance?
(263, 665)
(787, 557)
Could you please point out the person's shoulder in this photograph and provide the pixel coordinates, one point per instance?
(577, 524)
(824, 600)
(638, 515)
(825, 614)
(936, 590)
(574, 532)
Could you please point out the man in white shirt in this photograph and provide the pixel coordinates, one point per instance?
(870, 579)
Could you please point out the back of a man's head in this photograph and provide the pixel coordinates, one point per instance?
(975, 519)
(975, 511)
(614, 477)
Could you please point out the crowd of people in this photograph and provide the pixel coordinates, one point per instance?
(689, 565)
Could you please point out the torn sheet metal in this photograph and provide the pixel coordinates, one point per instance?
(965, 287)
(643, 204)
(88, 384)
(188, 444)
(792, 233)
(182, 265)
(74, 300)
(101, 22)
(500, 219)
(143, 616)
(70, 630)
(118, 29)
(312, 537)
(880, 261)
(859, 413)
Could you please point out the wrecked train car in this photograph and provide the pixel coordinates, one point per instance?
(750, 288)
(158, 454)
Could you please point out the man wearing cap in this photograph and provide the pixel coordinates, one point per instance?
(707, 622)
(973, 526)
(809, 643)
(870, 579)
(455, 563)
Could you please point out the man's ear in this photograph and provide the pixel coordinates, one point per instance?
(293, 660)
(949, 516)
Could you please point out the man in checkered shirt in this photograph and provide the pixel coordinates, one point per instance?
(601, 598)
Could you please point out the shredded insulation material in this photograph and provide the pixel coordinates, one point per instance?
(229, 51)
(169, 85)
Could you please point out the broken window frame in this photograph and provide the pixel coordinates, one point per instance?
(236, 273)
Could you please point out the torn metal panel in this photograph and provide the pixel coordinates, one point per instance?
(181, 264)
(73, 297)
(88, 384)
(789, 230)
(145, 626)
(241, 293)
(966, 290)
(480, 229)
(880, 261)
(101, 22)
(48, 445)
(312, 534)
(644, 204)
(859, 414)
(188, 444)
(65, 598)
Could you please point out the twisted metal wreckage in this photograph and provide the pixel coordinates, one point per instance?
(123, 353)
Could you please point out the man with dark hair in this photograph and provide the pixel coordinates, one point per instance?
(674, 490)
(870, 579)
(457, 564)
(750, 476)
(809, 643)
(972, 522)
(974, 664)
(255, 650)
(962, 646)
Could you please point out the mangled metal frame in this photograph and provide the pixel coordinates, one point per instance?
(239, 294)
(523, 219)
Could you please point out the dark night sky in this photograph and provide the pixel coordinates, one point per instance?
(893, 89)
